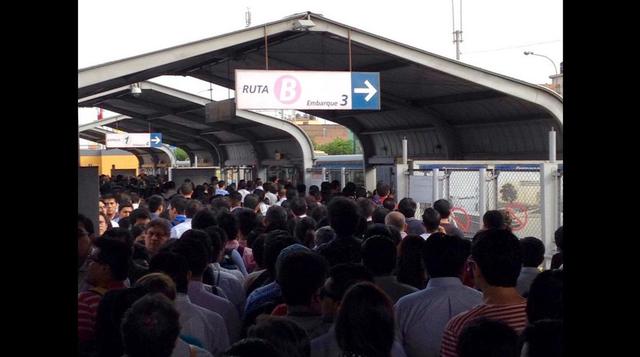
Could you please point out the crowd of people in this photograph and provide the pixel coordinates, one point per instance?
(274, 269)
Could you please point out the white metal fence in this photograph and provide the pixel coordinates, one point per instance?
(474, 188)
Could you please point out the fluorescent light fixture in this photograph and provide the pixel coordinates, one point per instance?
(302, 24)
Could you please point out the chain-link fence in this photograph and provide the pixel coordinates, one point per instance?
(515, 189)
(519, 193)
(462, 190)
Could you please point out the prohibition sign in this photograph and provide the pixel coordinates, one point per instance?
(467, 220)
(514, 209)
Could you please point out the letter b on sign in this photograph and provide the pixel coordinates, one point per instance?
(287, 89)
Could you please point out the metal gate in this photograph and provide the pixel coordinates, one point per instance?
(518, 191)
(513, 188)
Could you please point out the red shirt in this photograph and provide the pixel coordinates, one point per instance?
(514, 315)
(88, 302)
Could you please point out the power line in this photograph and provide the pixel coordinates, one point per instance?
(513, 47)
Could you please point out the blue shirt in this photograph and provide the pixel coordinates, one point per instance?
(527, 274)
(179, 219)
(221, 191)
(423, 315)
(262, 295)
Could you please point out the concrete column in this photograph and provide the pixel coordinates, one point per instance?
(482, 192)
(560, 198)
(436, 194)
(552, 146)
(262, 173)
(370, 178)
(548, 208)
(402, 181)
(405, 151)
(343, 177)
(88, 193)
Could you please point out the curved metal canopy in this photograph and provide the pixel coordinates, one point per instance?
(446, 109)
(147, 157)
(247, 139)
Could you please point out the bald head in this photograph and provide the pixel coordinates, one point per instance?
(395, 219)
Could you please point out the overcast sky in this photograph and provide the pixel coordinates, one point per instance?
(495, 32)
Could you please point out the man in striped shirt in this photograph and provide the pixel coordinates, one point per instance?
(108, 267)
(496, 260)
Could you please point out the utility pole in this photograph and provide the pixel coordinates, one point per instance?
(457, 34)
(247, 18)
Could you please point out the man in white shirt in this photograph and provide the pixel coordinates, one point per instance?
(194, 251)
(532, 257)
(229, 283)
(242, 189)
(270, 192)
(193, 206)
(207, 326)
(259, 184)
(299, 207)
(431, 221)
(282, 196)
(235, 199)
(422, 316)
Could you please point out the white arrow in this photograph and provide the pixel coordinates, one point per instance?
(156, 140)
(370, 89)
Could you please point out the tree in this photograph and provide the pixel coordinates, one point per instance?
(508, 193)
(338, 146)
(181, 155)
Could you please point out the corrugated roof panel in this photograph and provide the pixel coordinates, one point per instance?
(186, 122)
(418, 88)
(226, 137)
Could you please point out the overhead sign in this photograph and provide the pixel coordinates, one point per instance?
(307, 90)
(134, 140)
(155, 139)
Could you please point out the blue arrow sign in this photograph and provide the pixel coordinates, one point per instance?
(365, 90)
(155, 140)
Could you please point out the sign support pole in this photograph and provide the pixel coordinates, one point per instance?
(266, 49)
(349, 34)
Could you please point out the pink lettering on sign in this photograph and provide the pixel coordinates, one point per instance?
(287, 89)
